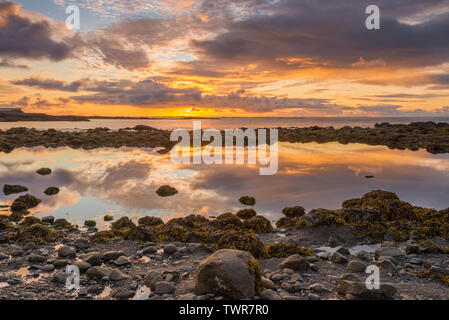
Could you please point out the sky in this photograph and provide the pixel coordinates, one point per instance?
(284, 58)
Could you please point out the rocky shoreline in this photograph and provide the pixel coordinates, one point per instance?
(310, 256)
(433, 137)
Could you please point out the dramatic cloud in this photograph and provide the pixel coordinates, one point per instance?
(22, 37)
(49, 84)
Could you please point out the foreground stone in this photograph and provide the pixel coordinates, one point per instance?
(230, 273)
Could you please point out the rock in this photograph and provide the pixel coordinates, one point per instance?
(122, 261)
(25, 202)
(60, 263)
(94, 259)
(268, 284)
(3, 256)
(83, 266)
(48, 268)
(111, 255)
(269, 294)
(90, 223)
(81, 244)
(152, 278)
(108, 218)
(166, 191)
(98, 272)
(356, 266)
(338, 258)
(246, 214)
(17, 252)
(30, 246)
(117, 275)
(230, 273)
(34, 258)
(323, 255)
(386, 266)
(333, 242)
(12, 189)
(48, 219)
(247, 201)
(412, 248)
(149, 250)
(170, 249)
(363, 255)
(296, 263)
(187, 296)
(439, 271)
(344, 251)
(389, 252)
(123, 294)
(44, 171)
(319, 287)
(293, 212)
(51, 191)
(59, 277)
(278, 277)
(66, 252)
(359, 289)
(164, 287)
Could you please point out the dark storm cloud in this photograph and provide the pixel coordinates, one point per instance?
(49, 84)
(330, 34)
(21, 37)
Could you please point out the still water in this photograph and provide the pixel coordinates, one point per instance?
(219, 123)
(123, 181)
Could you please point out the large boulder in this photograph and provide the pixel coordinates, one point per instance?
(230, 273)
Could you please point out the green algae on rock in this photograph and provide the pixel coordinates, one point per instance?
(38, 234)
(246, 214)
(25, 202)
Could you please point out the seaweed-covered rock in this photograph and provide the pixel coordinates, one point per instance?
(28, 221)
(293, 212)
(286, 249)
(90, 223)
(38, 234)
(51, 191)
(149, 221)
(63, 224)
(44, 171)
(102, 237)
(242, 241)
(246, 214)
(171, 232)
(227, 221)
(12, 189)
(4, 225)
(166, 191)
(123, 224)
(285, 222)
(318, 217)
(247, 201)
(233, 274)
(296, 263)
(108, 218)
(258, 224)
(16, 216)
(139, 234)
(25, 202)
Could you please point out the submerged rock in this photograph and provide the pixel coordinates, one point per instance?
(166, 191)
(248, 201)
(44, 171)
(11, 189)
(51, 191)
(233, 274)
